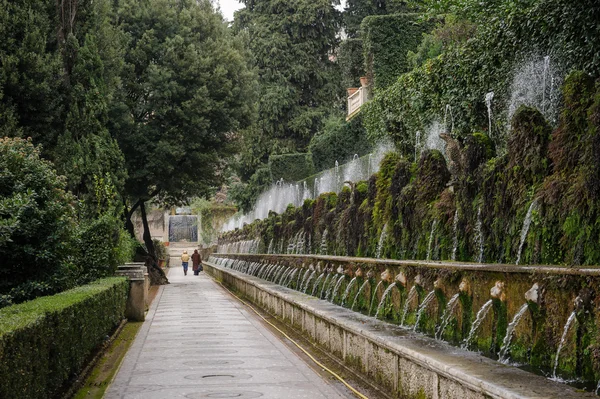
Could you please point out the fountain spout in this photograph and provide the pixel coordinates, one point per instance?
(497, 291)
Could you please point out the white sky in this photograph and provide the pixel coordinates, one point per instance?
(228, 7)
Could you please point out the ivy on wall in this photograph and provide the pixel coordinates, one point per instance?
(351, 62)
(387, 39)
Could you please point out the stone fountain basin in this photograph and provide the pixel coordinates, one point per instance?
(401, 362)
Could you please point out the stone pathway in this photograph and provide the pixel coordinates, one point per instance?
(199, 342)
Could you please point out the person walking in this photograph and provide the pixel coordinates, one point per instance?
(184, 262)
(196, 259)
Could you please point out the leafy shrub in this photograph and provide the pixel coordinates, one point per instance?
(36, 217)
(45, 342)
(101, 246)
(291, 167)
(338, 141)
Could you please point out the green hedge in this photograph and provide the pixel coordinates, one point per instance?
(46, 342)
(351, 61)
(291, 167)
(339, 141)
(387, 39)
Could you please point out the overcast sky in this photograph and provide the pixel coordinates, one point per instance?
(228, 7)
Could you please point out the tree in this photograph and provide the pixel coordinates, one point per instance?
(31, 90)
(293, 43)
(187, 87)
(36, 221)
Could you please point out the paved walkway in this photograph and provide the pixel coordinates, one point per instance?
(199, 342)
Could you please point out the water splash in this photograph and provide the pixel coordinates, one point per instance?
(525, 228)
(347, 290)
(455, 235)
(382, 239)
(448, 312)
(488, 102)
(479, 235)
(383, 298)
(411, 295)
(428, 299)
(509, 332)
(360, 290)
(478, 320)
(374, 296)
(563, 339)
(433, 225)
(536, 84)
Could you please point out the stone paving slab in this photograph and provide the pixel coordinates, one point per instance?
(199, 342)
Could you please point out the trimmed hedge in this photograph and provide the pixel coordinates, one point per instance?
(45, 342)
(387, 39)
(339, 141)
(291, 167)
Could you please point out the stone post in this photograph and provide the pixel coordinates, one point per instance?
(137, 301)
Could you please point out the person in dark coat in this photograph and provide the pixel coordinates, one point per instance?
(196, 259)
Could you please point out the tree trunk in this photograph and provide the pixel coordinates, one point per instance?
(157, 276)
(128, 223)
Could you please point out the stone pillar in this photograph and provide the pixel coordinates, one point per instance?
(137, 301)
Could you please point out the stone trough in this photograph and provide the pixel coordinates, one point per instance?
(408, 361)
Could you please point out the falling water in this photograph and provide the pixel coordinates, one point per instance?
(509, 332)
(270, 249)
(411, 295)
(448, 111)
(417, 143)
(334, 292)
(291, 277)
(562, 341)
(337, 176)
(479, 235)
(323, 249)
(369, 168)
(324, 287)
(360, 290)
(308, 281)
(374, 296)
(488, 102)
(544, 75)
(304, 277)
(347, 290)
(439, 333)
(478, 320)
(422, 307)
(382, 238)
(455, 237)
(525, 229)
(317, 283)
(383, 297)
(284, 275)
(433, 225)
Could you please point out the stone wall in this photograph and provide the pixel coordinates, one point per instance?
(523, 311)
(401, 362)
